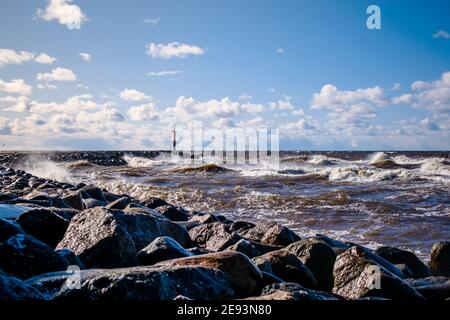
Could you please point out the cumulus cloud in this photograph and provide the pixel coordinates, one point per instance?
(85, 56)
(133, 95)
(58, 74)
(64, 12)
(152, 21)
(72, 105)
(14, 104)
(281, 105)
(46, 86)
(442, 34)
(10, 56)
(45, 59)
(163, 73)
(145, 112)
(172, 50)
(17, 86)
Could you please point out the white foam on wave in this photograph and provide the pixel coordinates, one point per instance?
(47, 169)
(377, 157)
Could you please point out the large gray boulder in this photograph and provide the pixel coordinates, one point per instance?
(137, 283)
(318, 257)
(245, 278)
(291, 291)
(96, 237)
(286, 266)
(270, 233)
(432, 288)
(357, 275)
(23, 256)
(160, 249)
(213, 236)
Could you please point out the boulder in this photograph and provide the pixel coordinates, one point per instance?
(432, 288)
(173, 213)
(14, 289)
(44, 225)
(292, 291)
(357, 275)
(270, 233)
(145, 227)
(440, 259)
(23, 256)
(96, 237)
(92, 192)
(154, 202)
(246, 247)
(73, 199)
(269, 278)
(399, 256)
(119, 204)
(137, 283)
(203, 218)
(244, 276)
(319, 258)
(286, 266)
(160, 249)
(9, 211)
(213, 236)
(92, 203)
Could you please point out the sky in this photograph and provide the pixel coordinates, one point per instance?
(102, 75)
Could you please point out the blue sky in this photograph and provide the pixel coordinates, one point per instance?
(310, 68)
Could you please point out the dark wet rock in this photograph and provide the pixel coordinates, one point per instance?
(387, 164)
(111, 197)
(188, 224)
(241, 226)
(24, 256)
(6, 196)
(440, 259)
(433, 288)
(74, 200)
(119, 204)
(154, 202)
(357, 275)
(14, 289)
(246, 247)
(318, 257)
(213, 236)
(399, 256)
(96, 237)
(92, 192)
(199, 250)
(269, 278)
(137, 283)
(286, 266)
(270, 233)
(406, 271)
(144, 228)
(71, 258)
(338, 246)
(292, 291)
(161, 249)
(244, 276)
(173, 213)
(66, 213)
(92, 203)
(44, 225)
(204, 218)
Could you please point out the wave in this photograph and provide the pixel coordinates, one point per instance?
(205, 168)
(79, 164)
(46, 169)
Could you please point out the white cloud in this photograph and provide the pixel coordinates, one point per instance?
(298, 112)
(145, 112)
(222, 123)
(72, 105)
(45, 59)
(133, 95)
(442, 34)
(252, 107)
(163, 73)
(152, 21)
(17, 86)
(46, 86)
(280, 50)
(281, 105)
(245, 96)
(85, 56)
(4, 126)
(404, 98)
(397, 86)
(66, 13)
(58, 74)
(9, 56)
(14, 104)
(172, 50)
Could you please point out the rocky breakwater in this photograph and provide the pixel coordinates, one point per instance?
(78, 242)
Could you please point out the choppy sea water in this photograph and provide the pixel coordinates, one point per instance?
(370, 198)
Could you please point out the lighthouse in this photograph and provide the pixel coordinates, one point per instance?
(174, 140)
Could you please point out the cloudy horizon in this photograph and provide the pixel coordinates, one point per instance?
(76, 76)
